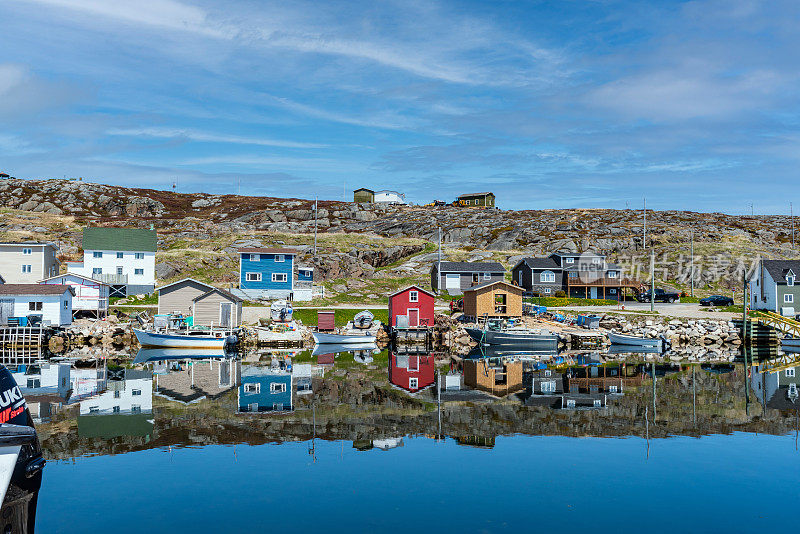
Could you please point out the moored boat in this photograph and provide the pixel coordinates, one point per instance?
(363, 319)
(523, 337)
(790, 343)
(205, 340)
(343, 338)
(332, 348)
(281, 311)
(635, 341)
(161, 354)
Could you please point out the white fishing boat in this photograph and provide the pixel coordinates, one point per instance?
(161, 354)
(197, 339)
(333, 348)
(635, 341)
(363, 319)
(281, 311)
(343, 338)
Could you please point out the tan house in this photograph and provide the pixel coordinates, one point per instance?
(207, 304)
(497, 379)
(27, 263)
(218, 308)
(493, 299)
(178, 297)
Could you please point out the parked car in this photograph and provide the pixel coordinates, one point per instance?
(660, 296)
(716, 300)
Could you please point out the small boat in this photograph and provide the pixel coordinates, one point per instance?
(790, 343)
(635, 341)
(363, 319)
(522, 337)
(198, 340)
(281, 311)
(162, 354)
(333, 348)
(343, 338)
(21, 460)
(633, 349)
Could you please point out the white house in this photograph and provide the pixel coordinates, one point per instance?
(773, 286)
(48, 378)
(134, 394)
(52, 302)
(123, 258)
(389, 197)
(91, 295)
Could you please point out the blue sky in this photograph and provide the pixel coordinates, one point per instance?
(548, 104)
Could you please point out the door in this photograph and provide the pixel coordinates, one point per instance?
(225, 314)
(6, 310)
(452, 281)
(593, 292)
(413, 317)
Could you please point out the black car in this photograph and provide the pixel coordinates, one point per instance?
(716, 300)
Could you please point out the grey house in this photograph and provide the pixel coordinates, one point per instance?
(583, 275)
(207, 304)
(773, 286)
(456, 276)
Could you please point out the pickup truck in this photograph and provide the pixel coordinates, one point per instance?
(661, 296)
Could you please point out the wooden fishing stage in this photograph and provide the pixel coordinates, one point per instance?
(23, 337)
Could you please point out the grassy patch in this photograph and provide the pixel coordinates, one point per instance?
(309, 315)
(554, 302)
(146, 300)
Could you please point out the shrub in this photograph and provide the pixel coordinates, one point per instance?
(560, 294)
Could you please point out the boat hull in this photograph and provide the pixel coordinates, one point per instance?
(541, 342)
(633, 341)
(154, 339)
(343, 338)
(332, 348)
(791, 343)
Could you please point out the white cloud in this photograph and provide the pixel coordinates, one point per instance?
(194, 135)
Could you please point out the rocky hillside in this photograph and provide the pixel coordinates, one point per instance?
(725, 245)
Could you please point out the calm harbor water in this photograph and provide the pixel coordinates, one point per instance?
(172, 442)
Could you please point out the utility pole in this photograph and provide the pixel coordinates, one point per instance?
(692, 262)
(439, 262)
(644, 235)
(653, 283)
(316, 200)
(791, 218)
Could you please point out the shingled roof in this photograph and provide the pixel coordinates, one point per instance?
(121, 239)
(778, 269)
(34, 289)
(471, 267)
(541, 263)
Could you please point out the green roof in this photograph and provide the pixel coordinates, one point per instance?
(115, 425)
(133, 239)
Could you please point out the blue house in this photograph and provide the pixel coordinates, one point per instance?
(267, 273)
(264, 389)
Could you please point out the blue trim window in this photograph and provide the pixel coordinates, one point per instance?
(255, 257)
(280, 258)
(278, 277)
(97, 254)
(253, 277)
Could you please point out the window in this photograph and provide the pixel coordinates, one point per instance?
(570, 403)
(413, 296)
(252, 388)
(570, 260)
(279, 277)
(27, 251)
(119, 271)
(487, 276)
(790, 372)
(26, 268)
(612, 291)
(547, 291)
(277, 407)
(500, 303)
(547, 372)
(115, 409)
(253, 277)
(413, 383)
(466, 202)
(788, 298)
(94, 409)
(789, 280)
(279, 258)
(119, 255)
(136, 392)
(597, 403)
(97, 254)
(97, 270)
(596, 261)
(573, 275)
(612, 274)
(548, 386)
(117, 394)
(254, 257)
(34, 306)
(613, 389)
(139, 255)
(139, 272)
(277, 388)
(34, 383)
(547, 277)
(135, 408)
(66, 304)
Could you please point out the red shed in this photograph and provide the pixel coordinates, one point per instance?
(326, 320)
(414, 302)
(412, 372)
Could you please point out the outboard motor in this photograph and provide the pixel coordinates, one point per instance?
(21, 460)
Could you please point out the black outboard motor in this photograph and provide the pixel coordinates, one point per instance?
(17, 430)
